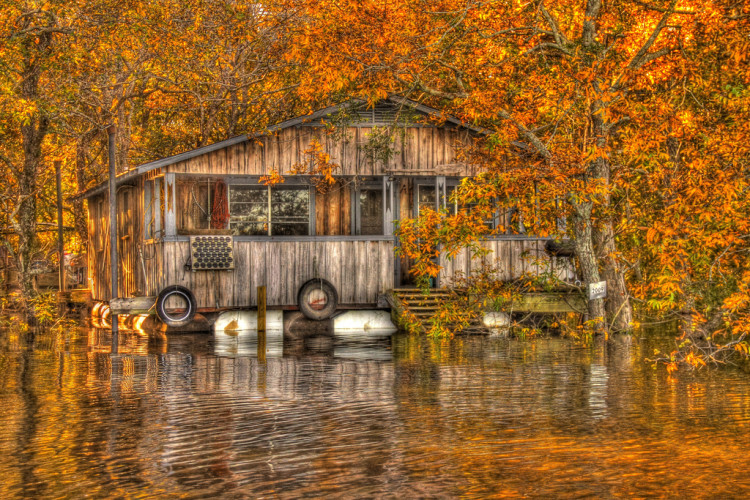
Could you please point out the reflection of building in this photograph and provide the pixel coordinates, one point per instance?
(469, 417)
(236, 422)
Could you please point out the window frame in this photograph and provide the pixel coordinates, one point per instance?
(269, 206)
(369, 184)
(450, 185)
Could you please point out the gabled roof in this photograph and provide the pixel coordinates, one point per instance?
(351, 103)
(301, 120)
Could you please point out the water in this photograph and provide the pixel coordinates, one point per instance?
(197, 416)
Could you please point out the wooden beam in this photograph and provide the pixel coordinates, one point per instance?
(170, 205)
(541, 302)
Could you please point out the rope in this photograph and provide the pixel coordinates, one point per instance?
(220, 212)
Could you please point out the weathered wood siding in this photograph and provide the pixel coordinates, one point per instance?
(512, 257)
(360, 271)
(420, 149)
(193, 209)
(333, 210)
(129, 238)
(153, 260)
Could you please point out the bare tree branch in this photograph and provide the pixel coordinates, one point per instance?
(641, 57)
(560, 38)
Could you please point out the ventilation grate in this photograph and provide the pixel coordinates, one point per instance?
(381, 113)
(211, 253)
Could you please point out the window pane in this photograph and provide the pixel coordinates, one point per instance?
(248, 207)
(249, 228)
(148, 203)
(425, 197)
(290, 228)
(451, 205)
(290, 205)
(248, 194)
(454, 207)
(290, 211)
(371, 211)
(249, 211)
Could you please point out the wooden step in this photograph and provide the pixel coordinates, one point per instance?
(423, 297)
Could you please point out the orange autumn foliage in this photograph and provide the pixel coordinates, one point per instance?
(629, 119)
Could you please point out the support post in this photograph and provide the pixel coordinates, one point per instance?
(170, 205)
(62, 302)
(60, 244)
(261, 311)
(261, 324)
(113, 268)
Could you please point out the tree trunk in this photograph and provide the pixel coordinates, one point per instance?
(584, 245)
(617, 303)
(619, 314)
(26, 221)
(32, 133)
(79, 210)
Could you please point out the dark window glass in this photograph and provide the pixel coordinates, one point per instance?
(290, 211)
(371, 211)
(425, 197)
(248, 208)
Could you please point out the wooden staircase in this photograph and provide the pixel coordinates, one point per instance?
(423, 307)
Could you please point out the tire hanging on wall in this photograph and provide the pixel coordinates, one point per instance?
(179, 318)
(317, 299)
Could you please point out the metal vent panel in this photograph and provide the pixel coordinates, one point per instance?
(381, 113)
(211, 253)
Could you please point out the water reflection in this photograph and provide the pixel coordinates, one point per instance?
(202, 415)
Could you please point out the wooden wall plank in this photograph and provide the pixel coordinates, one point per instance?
(395, 162)
(421, 147)
(438, 146)
(292, 272)
(366, 166)
(425, 148)
(386, 266)
(350, 263)
(242, 278)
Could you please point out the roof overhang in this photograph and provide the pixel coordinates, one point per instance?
(134, 173)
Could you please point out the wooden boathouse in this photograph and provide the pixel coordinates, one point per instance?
(205, 221)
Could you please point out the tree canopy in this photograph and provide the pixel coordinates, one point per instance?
(626, 118)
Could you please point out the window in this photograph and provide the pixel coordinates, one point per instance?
(272, 211)
(454, 207)
(290, 211)
(248, 210)
(425, 197)
(371, 211)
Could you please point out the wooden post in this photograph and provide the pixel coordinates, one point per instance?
(113, 268)
(261, 324)
(60, 245)
(170, 205)
(262, 310)
(62, 302)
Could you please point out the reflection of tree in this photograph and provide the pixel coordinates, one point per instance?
(472, 417)
(25, 453)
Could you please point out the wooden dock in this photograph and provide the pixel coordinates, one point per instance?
(424, 305)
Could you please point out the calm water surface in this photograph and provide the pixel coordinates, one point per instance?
(202, 416)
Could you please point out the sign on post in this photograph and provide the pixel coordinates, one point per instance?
(597, 290)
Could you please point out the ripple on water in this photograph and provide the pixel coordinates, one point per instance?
(363, 417)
